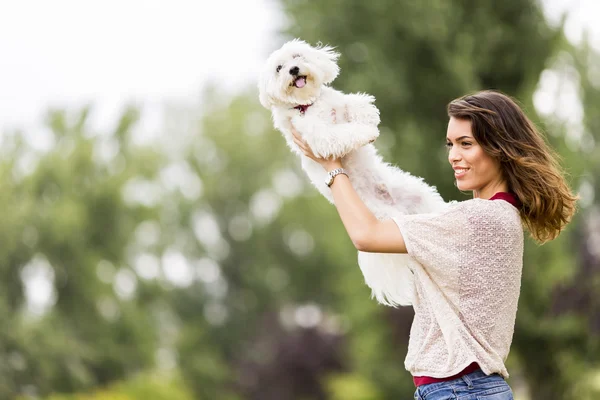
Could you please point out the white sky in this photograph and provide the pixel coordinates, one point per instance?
(67, 53)
(583, 15)
(73, 52)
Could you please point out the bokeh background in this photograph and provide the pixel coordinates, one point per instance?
(159, 241)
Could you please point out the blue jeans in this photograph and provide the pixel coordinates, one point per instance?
(473, 386)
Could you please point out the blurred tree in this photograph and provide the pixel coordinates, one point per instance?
(145, 386)
(73, 315)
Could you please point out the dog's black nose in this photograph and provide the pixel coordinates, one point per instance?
(294, 70)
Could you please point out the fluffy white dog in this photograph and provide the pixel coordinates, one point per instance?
(293, 85)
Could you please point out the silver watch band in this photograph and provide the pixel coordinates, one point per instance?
(332, 174)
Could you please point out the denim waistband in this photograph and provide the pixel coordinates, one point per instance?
(464, 379)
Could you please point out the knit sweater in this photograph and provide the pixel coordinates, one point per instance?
(467, 284)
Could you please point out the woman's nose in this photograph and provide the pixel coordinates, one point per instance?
(453, 155)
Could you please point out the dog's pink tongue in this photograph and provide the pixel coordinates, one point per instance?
(300, 82)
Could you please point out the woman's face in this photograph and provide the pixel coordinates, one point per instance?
(473, 168)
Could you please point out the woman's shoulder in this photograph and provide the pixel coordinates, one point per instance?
(490, 213)
(477, 204)
(468, 214)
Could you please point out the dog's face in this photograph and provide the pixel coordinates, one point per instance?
(294, 74)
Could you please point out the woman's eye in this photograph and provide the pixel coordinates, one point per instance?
(279, 68)
(466, 143)
(296, 56)
(448, 145)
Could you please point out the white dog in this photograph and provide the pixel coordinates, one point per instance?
(293, 85)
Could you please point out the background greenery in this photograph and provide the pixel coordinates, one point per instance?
(204, 266)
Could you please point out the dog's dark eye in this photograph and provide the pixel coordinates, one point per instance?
(296, 56)
(279, 68)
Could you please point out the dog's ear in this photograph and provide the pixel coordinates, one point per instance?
(327, 62)
(263, 97)
(265, 100)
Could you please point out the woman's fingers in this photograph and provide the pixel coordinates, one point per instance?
(298, 140)
(302, 144)
(296, 134)
(304, 149)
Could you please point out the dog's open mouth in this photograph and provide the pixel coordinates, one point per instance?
(299, 82)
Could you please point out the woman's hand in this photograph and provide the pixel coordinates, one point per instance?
(328, 163)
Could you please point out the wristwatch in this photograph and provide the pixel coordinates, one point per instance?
(332, 174)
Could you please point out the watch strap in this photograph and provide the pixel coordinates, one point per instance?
(332, 174)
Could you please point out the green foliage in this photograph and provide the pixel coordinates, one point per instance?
(351, 387)
(67, 219)
(143, 387)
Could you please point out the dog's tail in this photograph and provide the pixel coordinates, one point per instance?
(389, 276)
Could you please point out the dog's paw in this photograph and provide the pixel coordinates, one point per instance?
(370, 134)
(354, 136)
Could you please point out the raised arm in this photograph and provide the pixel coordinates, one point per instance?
(367, 233)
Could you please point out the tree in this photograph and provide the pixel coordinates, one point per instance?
(69, 227)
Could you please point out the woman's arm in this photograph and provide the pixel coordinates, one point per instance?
(366, 232)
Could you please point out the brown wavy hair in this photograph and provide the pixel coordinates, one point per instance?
(529, 165)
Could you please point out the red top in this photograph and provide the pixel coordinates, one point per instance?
(506, 196)
(424, 380)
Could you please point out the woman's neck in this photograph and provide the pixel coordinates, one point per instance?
(489, 190)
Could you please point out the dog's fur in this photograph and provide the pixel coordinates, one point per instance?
(345, 125)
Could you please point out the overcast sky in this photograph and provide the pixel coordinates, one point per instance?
(69, 52)
(107, 53)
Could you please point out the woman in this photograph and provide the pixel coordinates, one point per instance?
(469, 256)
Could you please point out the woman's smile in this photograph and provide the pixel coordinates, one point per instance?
(460, 172)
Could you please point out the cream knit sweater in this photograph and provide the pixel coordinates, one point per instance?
(467, 283)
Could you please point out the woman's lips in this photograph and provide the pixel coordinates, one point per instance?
(460, 172)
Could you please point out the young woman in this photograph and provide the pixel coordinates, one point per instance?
(470, 255)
